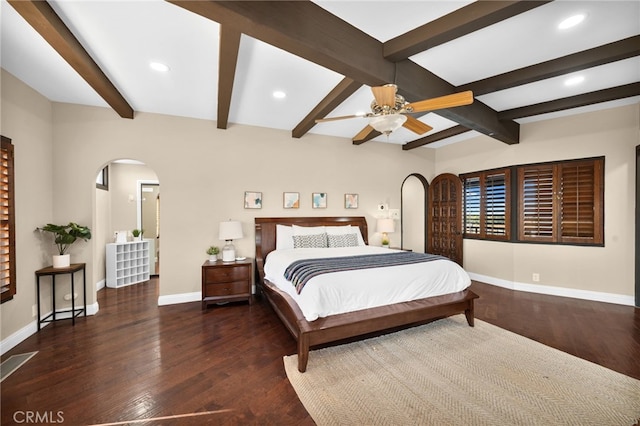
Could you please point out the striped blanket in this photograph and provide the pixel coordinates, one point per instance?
(301, 271)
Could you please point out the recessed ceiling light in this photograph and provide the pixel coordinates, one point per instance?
(572, 81)
(279, 94)
(571, 21)
(158, 66)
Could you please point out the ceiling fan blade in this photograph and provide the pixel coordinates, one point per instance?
(363, 133)
(385, 95)
(448, 101)
(344, 117)
(416, 126)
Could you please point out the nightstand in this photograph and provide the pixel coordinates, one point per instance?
(226, 281)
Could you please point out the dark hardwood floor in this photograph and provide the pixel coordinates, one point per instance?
(134, 360)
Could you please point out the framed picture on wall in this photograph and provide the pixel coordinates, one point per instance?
(291, 200)
(350, 201)
(252, 200)
(319, 200)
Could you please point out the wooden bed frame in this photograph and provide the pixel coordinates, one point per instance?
(350, 324)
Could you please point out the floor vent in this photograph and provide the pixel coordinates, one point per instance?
(14, 362)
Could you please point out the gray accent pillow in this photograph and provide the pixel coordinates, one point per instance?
(310, 241)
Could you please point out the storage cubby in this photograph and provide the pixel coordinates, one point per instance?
(127, 263)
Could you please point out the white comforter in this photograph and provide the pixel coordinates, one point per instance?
(347, 291)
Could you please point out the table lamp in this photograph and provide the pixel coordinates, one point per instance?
(229, 231)
(385, 225)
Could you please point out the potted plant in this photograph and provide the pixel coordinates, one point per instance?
(213, 253)
(64, 236)
(137, 234)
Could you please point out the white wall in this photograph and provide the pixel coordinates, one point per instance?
(613, 133)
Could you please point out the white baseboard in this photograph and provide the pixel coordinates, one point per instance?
(173, 299)
(19, 336)
(100, 285)
(596, 296)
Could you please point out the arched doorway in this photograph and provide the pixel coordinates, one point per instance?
(413, 213)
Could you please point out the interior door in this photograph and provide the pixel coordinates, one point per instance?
(445, 217)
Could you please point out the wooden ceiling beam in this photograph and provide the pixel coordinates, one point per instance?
(416, 83)
(310, 32)
(342, 91)
(605, 95)
(48, 24)
(305, 30)
(456, 24)
(612, 52)
(228, 59)
(444, 134)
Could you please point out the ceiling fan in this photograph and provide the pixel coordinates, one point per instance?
(389, 111)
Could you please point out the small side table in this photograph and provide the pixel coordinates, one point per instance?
(226, 282)
(71, 270)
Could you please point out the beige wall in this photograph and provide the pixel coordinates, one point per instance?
(26, 118)
(613, 133)
(204, 171)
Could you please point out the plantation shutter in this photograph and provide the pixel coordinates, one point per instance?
(487, 204)
(580, 185)
(7, 225)
(537, 189)
(496, 204)
(472, 196)
(562, 202)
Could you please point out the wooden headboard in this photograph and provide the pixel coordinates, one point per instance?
(266, 231)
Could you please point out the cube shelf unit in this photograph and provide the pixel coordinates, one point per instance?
(127, 263)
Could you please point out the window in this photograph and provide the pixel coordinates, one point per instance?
(102, 180)
(562, 202)
(487, 204)
(7, 223)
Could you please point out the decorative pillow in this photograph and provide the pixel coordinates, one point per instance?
(346, 229)
(284, 237)
(344, 240)
(310, 241)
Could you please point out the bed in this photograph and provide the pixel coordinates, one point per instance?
(335, 327)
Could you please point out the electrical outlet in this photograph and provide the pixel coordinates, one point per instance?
(535, 277)
(68, 296)
(34, 310)
(394, 214)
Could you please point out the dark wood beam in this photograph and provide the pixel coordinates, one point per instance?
(616, 51)
(605, 95)
(310, 32)
(305, 30)
(444, 134)
(227, 60)
(49, 25)
(456, 24)
(342, 91)
(416, 83)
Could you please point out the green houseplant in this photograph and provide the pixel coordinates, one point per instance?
(137, 233)
(213, 253)
(64, 237)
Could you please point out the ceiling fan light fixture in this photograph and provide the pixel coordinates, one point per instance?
(387, 123)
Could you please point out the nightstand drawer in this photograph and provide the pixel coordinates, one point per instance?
(227, 289)
(227, 274)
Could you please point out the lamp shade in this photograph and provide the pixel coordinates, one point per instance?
(230, 230)
(385, 225)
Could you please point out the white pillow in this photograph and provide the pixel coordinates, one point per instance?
(308, 230)
(284, 237)
(346, 229)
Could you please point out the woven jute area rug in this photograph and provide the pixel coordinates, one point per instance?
(447, 373)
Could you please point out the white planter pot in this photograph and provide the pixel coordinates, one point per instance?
(213, 257)
(61, 260)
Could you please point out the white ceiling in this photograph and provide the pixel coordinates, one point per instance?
(124, 36)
